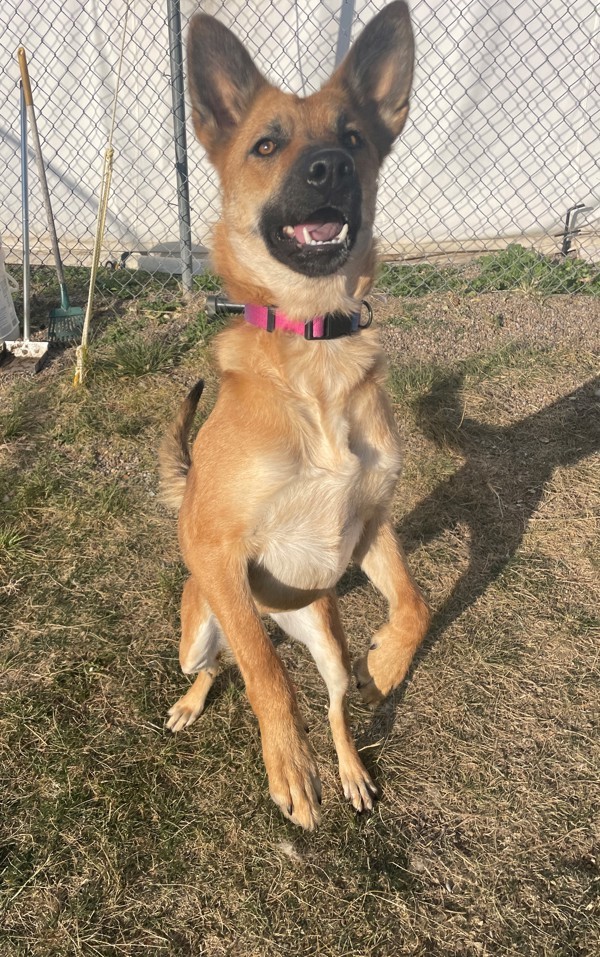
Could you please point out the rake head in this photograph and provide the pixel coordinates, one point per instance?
(65, 324)
(66, 321)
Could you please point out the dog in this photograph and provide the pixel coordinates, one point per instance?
(293, 473)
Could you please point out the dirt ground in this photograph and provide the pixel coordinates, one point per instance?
(451, 327)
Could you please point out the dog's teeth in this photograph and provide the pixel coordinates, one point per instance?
(309, 241)
(288, 230)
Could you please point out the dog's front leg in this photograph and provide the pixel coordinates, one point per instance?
(384, 667)
(293, 776)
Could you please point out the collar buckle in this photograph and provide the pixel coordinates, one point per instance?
(335, 325)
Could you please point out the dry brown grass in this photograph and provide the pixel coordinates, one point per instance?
(119, 839)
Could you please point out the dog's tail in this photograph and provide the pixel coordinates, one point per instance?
(174, 454)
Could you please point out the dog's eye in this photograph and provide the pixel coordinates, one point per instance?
(352, 139)
(265, 147)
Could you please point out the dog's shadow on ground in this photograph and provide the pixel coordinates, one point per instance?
(493, 494)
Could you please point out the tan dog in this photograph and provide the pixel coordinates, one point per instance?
(294, 471)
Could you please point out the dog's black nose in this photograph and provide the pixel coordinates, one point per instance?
(329, 169)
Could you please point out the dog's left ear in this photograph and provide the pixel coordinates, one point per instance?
(223, 80)
(378, 70)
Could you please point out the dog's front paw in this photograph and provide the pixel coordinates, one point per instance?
(385, 665)
(294, 782)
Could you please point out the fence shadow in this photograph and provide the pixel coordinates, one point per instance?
(494, 494)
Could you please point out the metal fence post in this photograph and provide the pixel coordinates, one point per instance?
(181, 165)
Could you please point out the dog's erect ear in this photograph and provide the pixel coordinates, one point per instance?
(378, 70)
(222, 78)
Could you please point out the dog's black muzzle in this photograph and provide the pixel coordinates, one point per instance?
(312, 225)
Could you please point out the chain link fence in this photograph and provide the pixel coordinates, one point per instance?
(501, 142)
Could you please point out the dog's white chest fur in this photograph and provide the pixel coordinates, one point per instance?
(312, 524)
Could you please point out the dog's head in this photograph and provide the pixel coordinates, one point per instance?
(299, 176)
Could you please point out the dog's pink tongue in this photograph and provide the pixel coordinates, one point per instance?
(322, 232)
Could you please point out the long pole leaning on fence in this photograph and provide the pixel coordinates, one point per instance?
(25, 219)
(344, 30)
(181, 164)
(81, 352)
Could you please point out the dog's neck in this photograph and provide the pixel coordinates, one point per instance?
(328, 370)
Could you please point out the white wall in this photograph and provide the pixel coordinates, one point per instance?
(502, 137)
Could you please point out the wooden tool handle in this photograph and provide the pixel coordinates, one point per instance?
(22, 58)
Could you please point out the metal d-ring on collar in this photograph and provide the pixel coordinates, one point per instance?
(367, 306)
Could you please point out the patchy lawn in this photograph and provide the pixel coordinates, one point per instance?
(118, 838)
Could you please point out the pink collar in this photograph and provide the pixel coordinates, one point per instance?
(332, 325)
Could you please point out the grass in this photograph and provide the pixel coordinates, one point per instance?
(14, 422)
(412, 380)
(118, 838)
(514, 268)
(139, 357)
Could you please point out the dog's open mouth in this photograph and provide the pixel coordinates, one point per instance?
(315, 244)
(326, 227)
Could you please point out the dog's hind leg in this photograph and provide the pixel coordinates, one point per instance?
(201, 641)
(392, 648)
(191, 705)
(318, 626)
